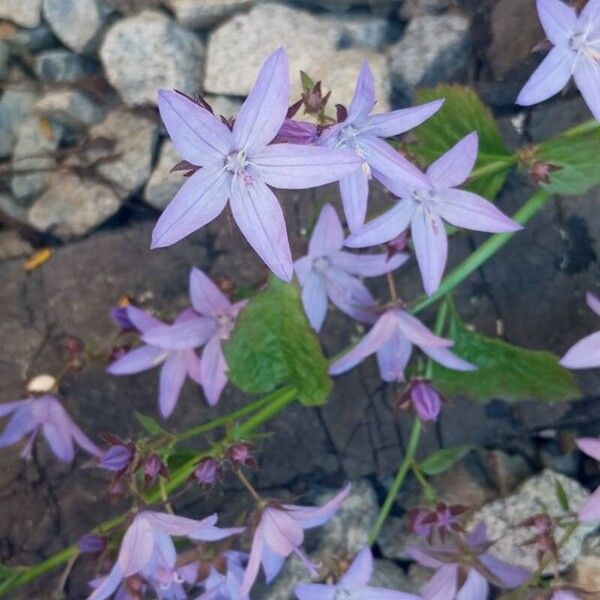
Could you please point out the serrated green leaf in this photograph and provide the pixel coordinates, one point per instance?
(577, 160)
(462, 113)
(444, 459)
(273, 344)
(149, 424)
(561, 496)
(505, 371)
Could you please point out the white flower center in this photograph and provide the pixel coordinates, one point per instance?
(581, 45)
(236, 162)
(226, 324)
(321, 264)
(426, 197)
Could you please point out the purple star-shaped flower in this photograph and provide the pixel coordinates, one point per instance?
(174, 351)
(280, 532)
(147, 549)
(45, 413)
(361, 132)
(585, 354)
(239, 165)
(216, 321)
(329, 272)
(465, 570)
(590, 511)
(226, 586)
(392, 338)
(576, 52)
(429, 199)
(354, 584)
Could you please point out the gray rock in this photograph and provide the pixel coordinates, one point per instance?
(62, 65)
(150, 51)
(224, 105)
(22, 12)
(418, 8)
(586, 570)
(76, 23)
(71, 206)
(15, 106)
(433, 49)
(506, 471)
(30, 40)
(34, 157)
(13, 209)
(388, 575)
(536, 495)
(4, 56)
(204, 13)
(12, 245)
(364, 33)
(71, 108)
(163, 185)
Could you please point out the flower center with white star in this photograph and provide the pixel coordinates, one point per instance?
(426, 197)
(581, 45)
(321, 264)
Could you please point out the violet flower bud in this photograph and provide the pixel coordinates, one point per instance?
(119, 316)
(154, 467)
(207, 471)
(239, 455)
(424, 399)
(116, 458)
(91, 543)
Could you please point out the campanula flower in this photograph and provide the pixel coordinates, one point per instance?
(430, 198)
(280, 532)
(392, 338)
(590, 511)
(585, 354)
(48, 414)
(423, 397)
(575, 52)
(329, 272)
(148, 550)
(174, 350)
(226, 586)
(362, 133)
(354, 584)
(239, 165)
(465, 569)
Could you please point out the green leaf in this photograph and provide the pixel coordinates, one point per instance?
(444, 459)
(561, 496)
(462, 113)
(307, 83)
(178, 458)
(577, 160)
(504, 371)
(149, 424)
(273, 344)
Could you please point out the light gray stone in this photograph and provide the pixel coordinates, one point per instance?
(224, 105)
(149, 51)
(4, 56)
(34, 157)
(536, 495)
(76, 23)
(22, 12)
(364, 32)
(433, 49)
(15, 106)
(418, 8)
(30, 40)
(163, 185)
(200, 14)
(62, 65)
(388, 575)
(13, 209)
(71, 108)
(12, 245)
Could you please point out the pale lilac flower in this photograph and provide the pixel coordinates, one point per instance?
(239, 165)
(48, 414)
(148, 550)
(297, 132)
(564, 595)
(207, 472)
(575, 53)
(226, 586)
(423, 397)
(427, 200)
(468, 562)
(590, 511)
(392, 338)
(280, 532)
(354, 584)
(117, 457)
(329, 272)
(362, 133)
(585, 354)
(174, 350)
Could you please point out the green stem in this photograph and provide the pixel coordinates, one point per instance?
(582, 129)
(484, 252)
(276, 402)
(499, 165)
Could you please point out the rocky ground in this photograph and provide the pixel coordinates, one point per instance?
(84, 170)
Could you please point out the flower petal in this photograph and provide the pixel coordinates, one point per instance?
(213, 370)
(281, 532)
(265, 108)
(58, 435)
(194, 366)
(590, 511)
(140, 319)
(199, 137)
(136, 548)
(431, 247)
(137, 360)
(206, 297)
(418, 334)
(363, 100)
(199, 200)
(385, 227)
(368, 265)
(354, 189)
(303, 268)
(558, 20)
(378, 593)
(107, 585)
(172, 377)
(314, 516)
(295, 167)
(189, 333)
(21, 423)
(379, 334)
(587, 78)
(589, 17)
(359, 572)
(315, 591)
(590, 446)
(454, 167)
(585, 354)
(474, 588)
(549, 78)
(350, 295)
(271, 563)
(593, 302)
(258, 214)
(254, 560)
(314, 299)
(445, 357)
(442, 586)
(400, 121)
(510, 575)
(327, 235)
(9, 407)
(468, 210)
(393, 357)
